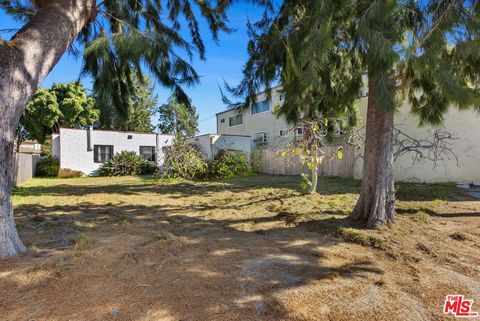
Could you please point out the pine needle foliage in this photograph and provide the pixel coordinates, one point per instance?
(424, 51)
(128, 37)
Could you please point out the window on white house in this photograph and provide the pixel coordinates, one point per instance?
(148, 152)
(283, 132)
(222, 121)
(235, 120)
(102, 153)
(280, 97)
(260, 138)
(260, 107)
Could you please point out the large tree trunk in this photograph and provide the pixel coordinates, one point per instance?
(25, 61)
(375, 206)
(10, 243)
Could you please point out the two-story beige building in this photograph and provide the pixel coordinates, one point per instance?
(461, 165)
(259, 122)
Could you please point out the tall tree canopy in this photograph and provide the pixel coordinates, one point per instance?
(178, 118)
(424, 51)
(119, 37)
(142, 104)
(66, 105)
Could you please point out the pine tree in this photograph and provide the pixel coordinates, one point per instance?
(424, 51)
(142, 104)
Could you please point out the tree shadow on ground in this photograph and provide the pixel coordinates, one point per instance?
(429, 211)
(180, 260)
(205, 266)
(150, 184)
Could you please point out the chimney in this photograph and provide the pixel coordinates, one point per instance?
(89, 138)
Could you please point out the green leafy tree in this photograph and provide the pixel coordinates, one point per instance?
(63, 105)
(41, 115)
(178, 118)
(76, 106)
(120, 37)
(142, 104)
(426, 52)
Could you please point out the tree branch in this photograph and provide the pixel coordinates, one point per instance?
(436, 147)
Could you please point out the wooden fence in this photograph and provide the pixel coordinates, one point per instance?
(271, 162)
(24, 167)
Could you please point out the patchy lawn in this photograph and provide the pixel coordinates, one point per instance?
(253, 248)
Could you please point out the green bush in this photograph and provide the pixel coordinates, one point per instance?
(148, 167)
(48, 167)
(185, 161)
(69, 173)
(126, 163)
(228, 164)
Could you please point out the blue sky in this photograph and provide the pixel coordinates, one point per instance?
(224, 62)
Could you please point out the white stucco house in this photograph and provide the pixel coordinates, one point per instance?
(86, 149)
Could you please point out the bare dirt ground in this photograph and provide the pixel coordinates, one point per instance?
(253, 248)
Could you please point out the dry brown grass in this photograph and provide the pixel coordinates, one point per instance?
(253, 248)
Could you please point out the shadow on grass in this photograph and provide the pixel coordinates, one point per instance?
(155, 185)
(263, 264)
(240, 263)
(409, 211)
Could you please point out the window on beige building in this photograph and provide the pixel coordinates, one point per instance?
(235, 120)
(299, 131)
(260, 107)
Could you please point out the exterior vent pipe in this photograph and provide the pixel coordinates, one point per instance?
(89, 138)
